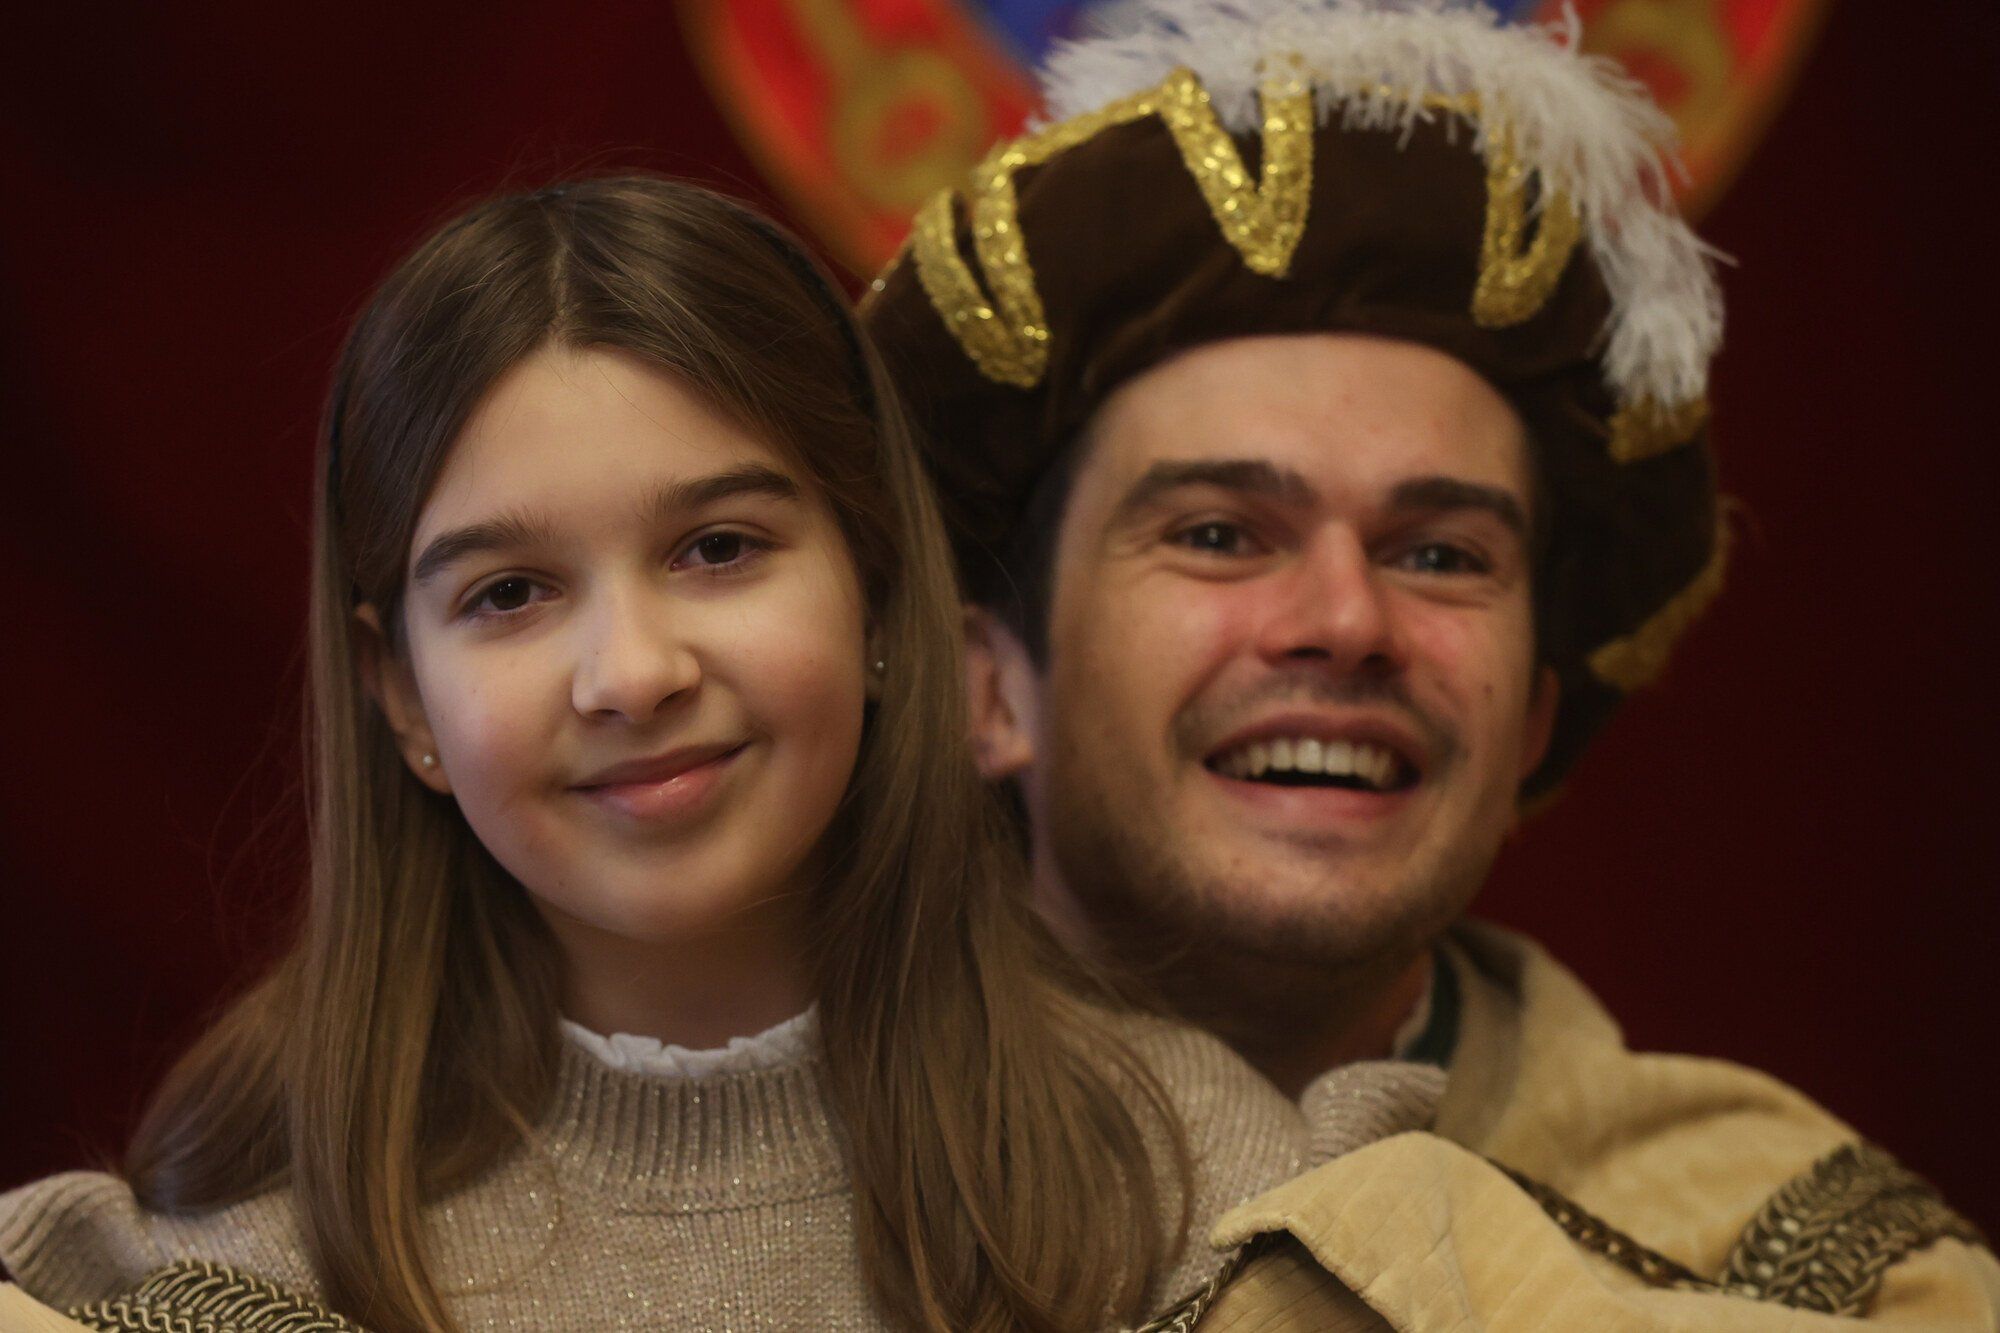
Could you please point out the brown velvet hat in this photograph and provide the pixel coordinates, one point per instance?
(1414, 170)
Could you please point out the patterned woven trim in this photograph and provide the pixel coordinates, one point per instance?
(194, 1297)
(1007, 338)
(1601, 1238)
(1638, 658)
(1824, 1241)
(1185, 1313)
(1821, 1243)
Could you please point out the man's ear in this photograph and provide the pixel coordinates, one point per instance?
(1002, 695)
(387, 677)
(1541, 728)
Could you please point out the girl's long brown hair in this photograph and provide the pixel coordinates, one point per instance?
(408, 1038)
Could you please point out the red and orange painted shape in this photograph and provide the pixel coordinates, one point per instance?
(857, 110)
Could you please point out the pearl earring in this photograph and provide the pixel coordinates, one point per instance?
(429, 761)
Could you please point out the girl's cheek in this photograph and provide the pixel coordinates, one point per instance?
(494, 715)
(805, 651)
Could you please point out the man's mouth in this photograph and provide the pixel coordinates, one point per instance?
(1309, 761)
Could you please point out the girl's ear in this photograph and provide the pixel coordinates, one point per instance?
(1001, 695)
(386, 675)
(874, 667)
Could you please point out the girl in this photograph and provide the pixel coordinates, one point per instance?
(637, 710)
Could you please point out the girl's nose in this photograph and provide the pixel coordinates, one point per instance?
(630, 661)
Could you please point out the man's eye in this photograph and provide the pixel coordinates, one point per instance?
(1442, 558)
(1215, 538)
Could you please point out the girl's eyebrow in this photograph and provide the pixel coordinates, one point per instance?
(518, 529)
(507, 531)
(693, 492)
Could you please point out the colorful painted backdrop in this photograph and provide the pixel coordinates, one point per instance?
(857, 110)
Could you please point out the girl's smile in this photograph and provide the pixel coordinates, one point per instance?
(675, 785)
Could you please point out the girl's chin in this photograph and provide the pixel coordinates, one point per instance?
(639, 910)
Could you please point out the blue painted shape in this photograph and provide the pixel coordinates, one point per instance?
(1030, 27)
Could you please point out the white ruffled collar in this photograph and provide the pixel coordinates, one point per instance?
(785, 1044)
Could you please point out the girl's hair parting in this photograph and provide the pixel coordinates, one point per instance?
(408, 1037)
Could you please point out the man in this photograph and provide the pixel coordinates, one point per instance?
(1321, 402)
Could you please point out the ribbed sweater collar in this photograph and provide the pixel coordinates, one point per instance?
(693, 1142)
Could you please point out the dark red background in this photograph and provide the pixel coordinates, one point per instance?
(1784, 855)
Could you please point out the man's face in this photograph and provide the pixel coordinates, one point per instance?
(1290, 692)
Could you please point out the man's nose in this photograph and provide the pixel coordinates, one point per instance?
(1332, 604)
(632, 659)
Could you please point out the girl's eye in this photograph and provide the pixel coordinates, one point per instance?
(719, 548)
(720, 552)
(1442, 558)
(1217, 537)
(503, 596)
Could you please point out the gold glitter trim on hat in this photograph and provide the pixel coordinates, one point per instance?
(1516, 281)
(1007, 338)
(1264, 222)
(1638, 658)
(1000, 352)
(1008, 344)
(1644, 428)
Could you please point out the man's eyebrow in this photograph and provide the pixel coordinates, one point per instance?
(493, 534)
(1446, 493)
(694, 492)
(1251, 476)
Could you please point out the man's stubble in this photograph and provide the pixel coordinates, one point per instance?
(1202, 934)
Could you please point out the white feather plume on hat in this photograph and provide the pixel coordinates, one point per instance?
(1581, 121)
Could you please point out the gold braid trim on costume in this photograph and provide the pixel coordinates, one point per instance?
(1007, 338)
(1824, 1240)
(1821, 1243)
(1638, 658)
(195, 1297)
(1601, 1238)
(1185, 1313)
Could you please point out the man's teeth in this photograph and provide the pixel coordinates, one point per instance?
(1372, 764)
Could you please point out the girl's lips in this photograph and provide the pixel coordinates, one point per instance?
(675, 797)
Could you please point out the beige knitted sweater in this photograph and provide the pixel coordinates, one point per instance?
(711, 1201)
